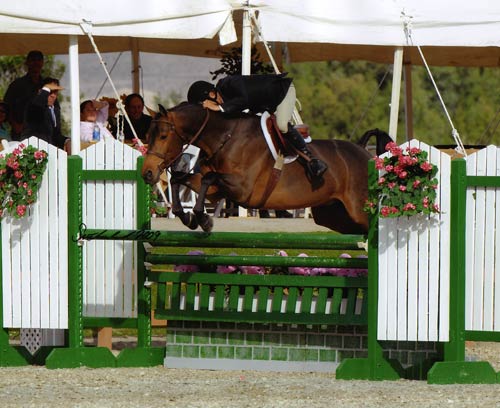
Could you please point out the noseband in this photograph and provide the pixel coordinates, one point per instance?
(164, 165)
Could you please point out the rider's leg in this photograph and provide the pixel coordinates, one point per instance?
(284, 111)
(315, 167)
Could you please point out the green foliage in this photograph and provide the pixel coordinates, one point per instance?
(21, 175)
(173, 99)
(407, 185)
(231, 63)
(343, 100)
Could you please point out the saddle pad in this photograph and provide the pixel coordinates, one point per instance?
(263, 120)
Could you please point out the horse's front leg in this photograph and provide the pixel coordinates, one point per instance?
(206, 222)
(187, 218)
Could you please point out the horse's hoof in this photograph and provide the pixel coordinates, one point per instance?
(192, 222)
(206, 223)
(188, 219)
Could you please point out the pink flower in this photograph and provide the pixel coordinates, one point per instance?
(379, 163)
(18, 174)
(391, 185)
(426, 166)
(189, 268)
(39, 155)
(413, 150)
(389, 168)
(416, 183)
(225, 269)
(381, 180)
(252, 270)
(402, 188)
(435, 208)
(409, 207)
(384, 211)
(403, 174)
(300, 270)
(21, 210)
(425, 202)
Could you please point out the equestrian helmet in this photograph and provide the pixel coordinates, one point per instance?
(199, 91)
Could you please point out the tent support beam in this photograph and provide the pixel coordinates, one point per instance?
(136, 86)
(74, 78)
(408, 101)
(396, 89)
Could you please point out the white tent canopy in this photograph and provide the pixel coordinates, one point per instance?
(452, 32)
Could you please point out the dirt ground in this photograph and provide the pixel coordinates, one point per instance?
(164, 387)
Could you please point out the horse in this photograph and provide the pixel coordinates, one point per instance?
(235, 163)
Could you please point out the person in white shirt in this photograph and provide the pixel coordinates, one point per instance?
(93, 113)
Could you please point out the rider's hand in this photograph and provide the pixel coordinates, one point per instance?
(208, 104)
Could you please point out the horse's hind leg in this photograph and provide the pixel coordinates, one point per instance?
(205, 221)
(187, 218)
(336, 217)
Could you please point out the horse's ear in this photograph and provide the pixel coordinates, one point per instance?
(163, 111)
(151, 112)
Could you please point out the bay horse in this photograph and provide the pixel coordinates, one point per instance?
(236, 164)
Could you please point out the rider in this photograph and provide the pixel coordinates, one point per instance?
(258, 93)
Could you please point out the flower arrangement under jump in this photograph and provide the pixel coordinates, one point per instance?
(407, 184)
(21, 175)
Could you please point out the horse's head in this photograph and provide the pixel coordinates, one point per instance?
(169, 131)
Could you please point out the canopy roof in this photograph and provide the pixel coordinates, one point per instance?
(451, 32)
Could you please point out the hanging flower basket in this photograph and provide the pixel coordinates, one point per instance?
(407, 184)
(21, 175)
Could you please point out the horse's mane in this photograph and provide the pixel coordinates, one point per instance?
(186, 105)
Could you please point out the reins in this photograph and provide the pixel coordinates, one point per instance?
(164, 165)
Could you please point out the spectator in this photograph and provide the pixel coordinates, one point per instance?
(93, 113)
(134, 105)
(4, 125)
(43, 115)
(22, 90)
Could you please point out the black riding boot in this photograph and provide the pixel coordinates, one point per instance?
(315, 167)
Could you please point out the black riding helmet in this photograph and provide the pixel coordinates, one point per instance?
(199, 91)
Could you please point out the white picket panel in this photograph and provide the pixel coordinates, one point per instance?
(34, 253)
(110, 267)
(413, 276)
(482, 305)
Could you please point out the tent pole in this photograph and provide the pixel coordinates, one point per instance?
(396, 88)
(136, 86)
(408, 101)
(74, 77)
(246, 66)
(246, 44)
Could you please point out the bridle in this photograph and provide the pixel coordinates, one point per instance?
(187, 142)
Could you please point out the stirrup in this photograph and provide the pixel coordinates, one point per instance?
(316, 168)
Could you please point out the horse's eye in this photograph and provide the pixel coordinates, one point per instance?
(163, 137)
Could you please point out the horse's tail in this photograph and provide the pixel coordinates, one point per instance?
(382, 139)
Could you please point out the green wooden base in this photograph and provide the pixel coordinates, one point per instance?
(462, 372)
(14, 356)
(366, 369)
(94, 357)
(141, 357)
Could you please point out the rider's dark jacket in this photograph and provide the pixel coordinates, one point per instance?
(258, 93)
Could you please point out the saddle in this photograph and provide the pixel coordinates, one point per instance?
(277, 144)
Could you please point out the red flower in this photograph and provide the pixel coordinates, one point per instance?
(426, 166)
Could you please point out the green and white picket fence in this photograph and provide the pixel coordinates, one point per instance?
(431, 279)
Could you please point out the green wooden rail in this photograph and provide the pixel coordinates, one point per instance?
(261, 298)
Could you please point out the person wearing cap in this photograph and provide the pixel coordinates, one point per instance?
(42, 117)
(257, 93)
(22, 90)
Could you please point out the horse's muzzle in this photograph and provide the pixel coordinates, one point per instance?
(149, 177)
